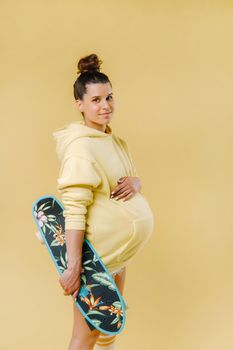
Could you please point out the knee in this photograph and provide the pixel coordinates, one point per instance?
(79, 342)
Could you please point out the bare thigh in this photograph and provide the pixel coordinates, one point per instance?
(120, 280)
(81, 330)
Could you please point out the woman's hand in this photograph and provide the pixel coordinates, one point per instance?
(70, 281)
(126, 188)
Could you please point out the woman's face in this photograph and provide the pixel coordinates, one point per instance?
(97, 101)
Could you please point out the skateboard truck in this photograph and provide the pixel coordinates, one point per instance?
(39, 237)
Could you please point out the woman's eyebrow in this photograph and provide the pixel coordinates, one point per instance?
(100, 96)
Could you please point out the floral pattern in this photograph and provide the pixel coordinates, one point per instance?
(98, 299)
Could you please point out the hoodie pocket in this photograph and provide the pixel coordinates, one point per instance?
(142, 229)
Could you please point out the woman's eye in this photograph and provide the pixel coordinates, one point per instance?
(97, 99)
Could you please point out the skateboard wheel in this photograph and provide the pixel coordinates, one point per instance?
(38, 235)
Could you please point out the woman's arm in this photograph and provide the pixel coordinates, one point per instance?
(70, 278)
(77, 181)
(74, 243)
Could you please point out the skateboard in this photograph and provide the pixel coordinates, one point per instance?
(98, 299)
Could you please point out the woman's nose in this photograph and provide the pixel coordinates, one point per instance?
(105, 104)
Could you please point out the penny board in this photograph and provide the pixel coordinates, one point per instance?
(99, 299)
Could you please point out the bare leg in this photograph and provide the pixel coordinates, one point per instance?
(82, 337)
(120, 280)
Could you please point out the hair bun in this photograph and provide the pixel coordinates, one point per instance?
(89, 63)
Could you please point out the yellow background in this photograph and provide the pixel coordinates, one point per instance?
(170, 63)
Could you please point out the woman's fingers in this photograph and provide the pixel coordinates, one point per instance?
(62, 285)
(121, 190)
(128, 196)
(75, 294)
(69, 284)
(124, 194)
(69, 292)
(121, 179)
(130, 183)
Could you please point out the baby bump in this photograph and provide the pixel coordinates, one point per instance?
(142, 229)
(117, 233)
(108, 227)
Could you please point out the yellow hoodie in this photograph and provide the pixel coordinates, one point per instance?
(91, 163)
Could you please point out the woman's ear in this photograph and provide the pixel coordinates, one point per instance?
(79, 105)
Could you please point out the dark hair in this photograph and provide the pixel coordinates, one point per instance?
(89, 67)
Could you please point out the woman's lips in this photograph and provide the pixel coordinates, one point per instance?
(106, 114)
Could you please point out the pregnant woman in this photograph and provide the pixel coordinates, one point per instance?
(101, 193)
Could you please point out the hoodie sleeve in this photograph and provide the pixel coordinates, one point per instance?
(77, 180)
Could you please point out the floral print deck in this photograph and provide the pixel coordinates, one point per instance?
(99, 300)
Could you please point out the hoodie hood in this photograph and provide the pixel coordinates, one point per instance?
(70, 132)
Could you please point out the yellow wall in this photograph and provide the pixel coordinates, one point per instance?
(170, 63)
